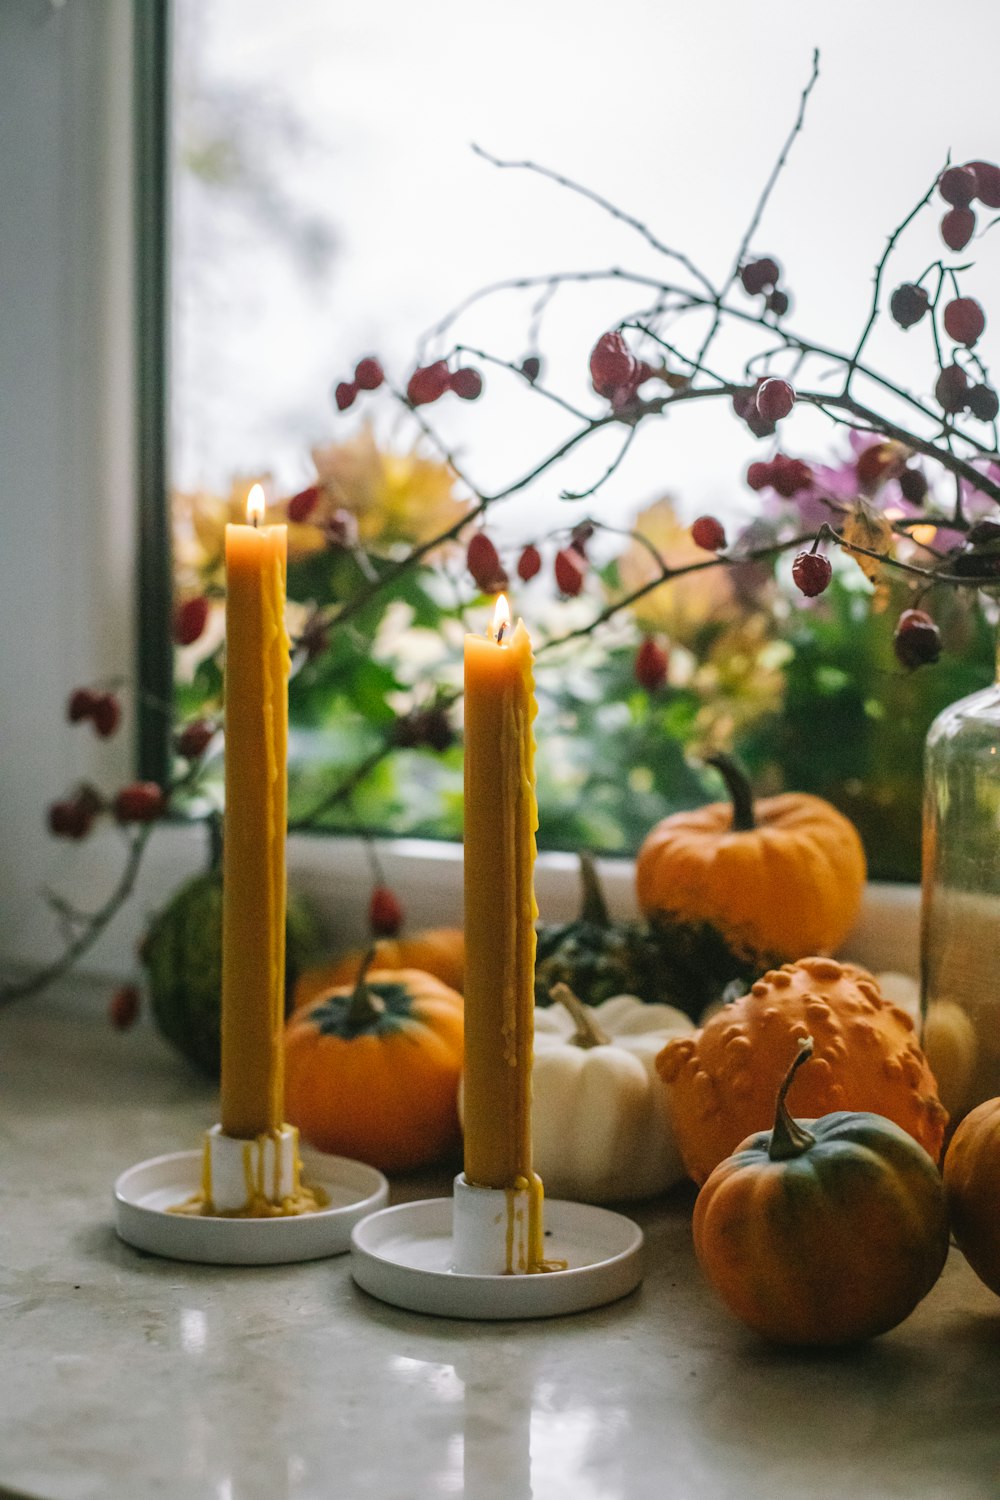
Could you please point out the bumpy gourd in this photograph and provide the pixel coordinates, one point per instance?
(823, 1232)
(779, 877)
(438, 950)
(972, 1184)
(721, 1083)
(372, 1069)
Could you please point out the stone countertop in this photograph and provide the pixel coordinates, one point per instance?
(125, 1376)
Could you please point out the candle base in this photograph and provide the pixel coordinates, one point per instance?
(146, 1198)
(420, 1256)
(264, 1170)
(489, 1230)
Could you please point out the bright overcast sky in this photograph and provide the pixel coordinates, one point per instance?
(676, 112)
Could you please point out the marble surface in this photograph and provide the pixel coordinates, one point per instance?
(123, 1376)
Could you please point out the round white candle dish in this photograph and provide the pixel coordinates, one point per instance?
(145, 1194)
(449, 1256)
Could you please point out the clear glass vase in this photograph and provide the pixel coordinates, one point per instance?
(960, 914)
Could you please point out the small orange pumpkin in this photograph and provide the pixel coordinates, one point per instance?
(372, 1069)
(780, 877)
(823, 1232)
(721, 1082)
(972, 1184)
(439, 951)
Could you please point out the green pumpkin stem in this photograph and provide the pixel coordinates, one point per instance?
(365, 1006)
(789, 1138)
(593, 908)
(588, 1034)
(738, 787)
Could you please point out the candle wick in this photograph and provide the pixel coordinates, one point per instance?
(255, 520)
(503, 627)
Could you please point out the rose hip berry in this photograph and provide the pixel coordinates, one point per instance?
(708, 533)
(913, 485)
(139, 802)
(951, 389)
(71, 818)
(106, 715)
(958, 186)
(964, 320)
(529, 563)
(123, 1007)
(190, 619)
(80, 704)
(652, 662)
(908, 304)
(612, 365)
(811, 573)
(194, 739)
(570, 570)
(345, 394)
(775, 399)
(302, 505)
(385, 914)
(777, 302)
(368, 374)
(531, 367)
(760, 275)
(917, 640)
(467, 383)
(428, 383)
(987, 182)
(483, 561)
(957, 228)
(983, 403)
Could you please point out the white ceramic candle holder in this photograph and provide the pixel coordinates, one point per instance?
(235, 1172)
(450, 1256)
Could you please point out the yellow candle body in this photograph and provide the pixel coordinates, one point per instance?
(253, 914)
(501, 817)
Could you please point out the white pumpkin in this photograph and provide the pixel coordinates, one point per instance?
(600, 1126)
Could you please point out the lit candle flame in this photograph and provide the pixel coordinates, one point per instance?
(501, 618)
(255, 504)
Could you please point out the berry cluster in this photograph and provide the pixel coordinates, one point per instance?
(760, 278)
(569, 564)
(102, 709)
(786, 476)
(429, 383)
(960, 187)
(616, 373)
(763, 405)
(74, 817)
(368, 376)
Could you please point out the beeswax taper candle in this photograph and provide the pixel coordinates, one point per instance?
(501, 816)
(253, 920)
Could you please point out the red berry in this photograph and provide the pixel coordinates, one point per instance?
(194, 739)
(760, 275)
(345, 395)
(570, 570)
(385, 914)
(877, 464)
(581, 535)
(71, 818)
(964, 320)
(651, 664)
(983, 403)
(775, 399)
(789, 475)
(190, 619)
(708, 534)
(139, 802)
(811, 572)
(123, 1007)
(777, 302)
(917, 640)
(368, 374)
(302, 505)
(951, 388)
(743, 402)
(913, 485)
(908, 304)
(759, 475)
(428, 383)
(106, 715)
(758, 425)
(987, 182)
(531, 367)
(529, 563)
(483, 561)
(958, 227)
(467, 383)
(80, 704)
(612, 365)
(958, 185)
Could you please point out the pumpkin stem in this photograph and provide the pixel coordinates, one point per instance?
(365, 1006)
(738, 787)
(593, 908)
(588, 1033)
(789, 1138)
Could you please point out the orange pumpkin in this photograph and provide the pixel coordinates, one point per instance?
(823, 1232)
(780, 877)
(972, 1184)
(372, 1069)
(439, 951)
(721, 1083)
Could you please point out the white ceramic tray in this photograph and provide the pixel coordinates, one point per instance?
(403, 1255)
(144, 1194)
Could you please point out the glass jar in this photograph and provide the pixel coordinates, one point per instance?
(960, 913)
